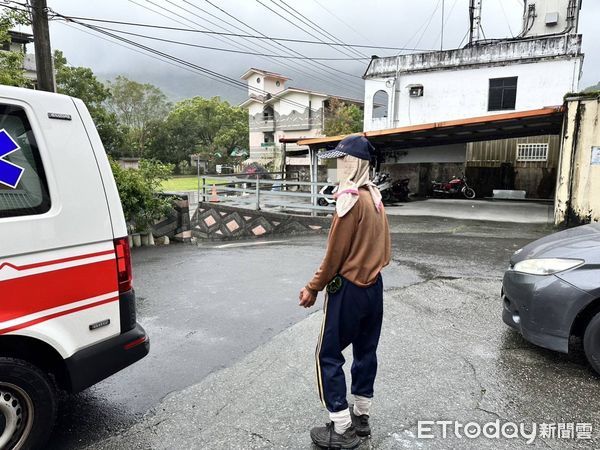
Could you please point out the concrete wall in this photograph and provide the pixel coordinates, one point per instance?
(422, 174)
(578, 188)
(456, 82)
(214, 221)
(542, 8)
(464, 93)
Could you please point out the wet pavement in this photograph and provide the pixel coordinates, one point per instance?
(231, 362)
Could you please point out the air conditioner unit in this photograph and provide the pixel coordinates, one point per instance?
(415, 90)
(551, 19)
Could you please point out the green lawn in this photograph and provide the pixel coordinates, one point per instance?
(187, 183)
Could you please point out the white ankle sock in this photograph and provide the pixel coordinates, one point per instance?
(362, 405)
(341, 420)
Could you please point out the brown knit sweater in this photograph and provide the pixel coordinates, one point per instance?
(358, 246)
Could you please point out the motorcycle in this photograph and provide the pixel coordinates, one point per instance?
(391, 191)
(454, 187)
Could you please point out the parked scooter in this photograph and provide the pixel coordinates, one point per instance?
(327, 190)
(452, 188)
(392, 191)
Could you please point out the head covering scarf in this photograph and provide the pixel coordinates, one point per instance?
(354, 174)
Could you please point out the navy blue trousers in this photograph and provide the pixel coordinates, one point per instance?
(352, 315)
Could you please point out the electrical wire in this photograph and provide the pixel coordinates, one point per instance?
(319, 29)
(297, 67)
(437, 6)
(189, 44)
(265, 37)
(333, 69)
(506, 17)
(347, 85)
(447, 19)
(199, 69)
(347, 25)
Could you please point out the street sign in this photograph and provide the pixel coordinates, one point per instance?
(10, 174)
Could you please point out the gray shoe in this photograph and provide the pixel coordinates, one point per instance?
(360, 423)
(326, 437)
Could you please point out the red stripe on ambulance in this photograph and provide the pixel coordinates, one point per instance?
(34, 293)
(55, 315)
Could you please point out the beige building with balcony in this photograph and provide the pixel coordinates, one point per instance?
(277, 111)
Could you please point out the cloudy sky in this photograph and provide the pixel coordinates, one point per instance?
(393, 23)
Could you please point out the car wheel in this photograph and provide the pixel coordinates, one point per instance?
(27, 405)
(591, 342)
(322, 202)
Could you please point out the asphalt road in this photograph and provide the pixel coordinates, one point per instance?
(224, 320)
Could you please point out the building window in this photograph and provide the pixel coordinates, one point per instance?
(23, 187)
(532, 152)
(380, 105)
(503, 93)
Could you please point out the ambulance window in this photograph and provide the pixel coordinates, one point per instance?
(23, 186)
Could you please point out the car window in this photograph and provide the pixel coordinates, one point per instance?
(23, 186)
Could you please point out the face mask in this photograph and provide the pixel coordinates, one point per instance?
(344, 170)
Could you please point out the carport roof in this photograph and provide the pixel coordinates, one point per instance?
(535, 122)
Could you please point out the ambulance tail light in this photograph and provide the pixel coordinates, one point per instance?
(124, 272)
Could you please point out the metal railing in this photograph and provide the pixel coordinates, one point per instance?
(255, 192)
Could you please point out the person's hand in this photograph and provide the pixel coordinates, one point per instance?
(307, 298)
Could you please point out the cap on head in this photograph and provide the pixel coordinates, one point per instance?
(354, 145)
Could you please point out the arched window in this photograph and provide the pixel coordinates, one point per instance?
(380, 105)
(268, 113)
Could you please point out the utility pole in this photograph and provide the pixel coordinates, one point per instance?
(474, 20)
(442, 34)
(41, 41)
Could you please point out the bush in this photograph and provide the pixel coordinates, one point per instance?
(138, 189)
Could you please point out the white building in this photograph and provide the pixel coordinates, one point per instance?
(18, 43)
(530, 71)
(276, 111)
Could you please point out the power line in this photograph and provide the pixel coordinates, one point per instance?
(346, 84)
(313, 25)
(506, 17)
(204, 71)
(335, 71)
(189, 44)
(128, 47)
(265, 37)
(350, 27)
(437, 6)
(297, 67)
(447, 18)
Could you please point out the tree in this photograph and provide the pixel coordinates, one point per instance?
(138, 107)
(80, 82)
(210, 127)
(138, 189)
(342, 118)
(12, 72)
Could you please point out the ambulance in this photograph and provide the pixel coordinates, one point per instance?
(67, 304)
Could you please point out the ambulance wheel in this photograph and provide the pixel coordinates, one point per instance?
(27, 405)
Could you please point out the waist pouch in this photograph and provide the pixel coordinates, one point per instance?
(334, 285)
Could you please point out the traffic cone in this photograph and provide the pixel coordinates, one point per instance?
(214, 198)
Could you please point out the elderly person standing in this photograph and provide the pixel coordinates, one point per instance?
(358, 248)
